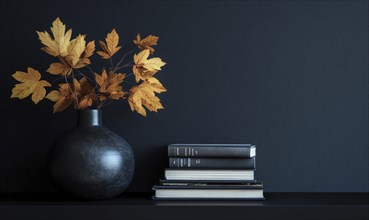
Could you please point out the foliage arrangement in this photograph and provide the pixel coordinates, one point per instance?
(93, 90)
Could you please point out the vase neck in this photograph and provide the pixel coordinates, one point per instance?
(89, 117)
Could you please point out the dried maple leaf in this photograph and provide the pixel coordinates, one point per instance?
(109, 85)
(59, 69)
(147, 42)
(74, 59)
(144, 96)
(58, 45)
(75, 50)
(63, 97)
(141, 73)
(80, 93)
(111, 45)
(85, 93)
(30, 84)
(89, 51)
(145, 68)
(155, 85)
(73, 54)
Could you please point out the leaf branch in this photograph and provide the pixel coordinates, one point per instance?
(71, 90)
(121, 60)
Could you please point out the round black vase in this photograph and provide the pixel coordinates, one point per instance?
(90, 161)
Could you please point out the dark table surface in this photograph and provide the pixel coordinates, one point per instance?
(140, 206)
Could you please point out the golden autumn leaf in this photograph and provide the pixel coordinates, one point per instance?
(147, 42)
(110, 47)
(73, 54)
(62, 97)
(89, 51)
(58, 45)
(141, 73)
(101, 79)
(75, 49)
(141, 57)
(109, 85)
(85, 93)
(144, 96)
(59, 69)
(155, 85)
(80, 93)
(30, 84)
(104, 54)
(145, 68)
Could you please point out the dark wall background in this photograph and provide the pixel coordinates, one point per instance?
(291, 77)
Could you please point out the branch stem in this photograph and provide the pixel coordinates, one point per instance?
(121, 60)
(71, 90)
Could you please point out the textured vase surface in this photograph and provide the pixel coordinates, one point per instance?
(90, 161)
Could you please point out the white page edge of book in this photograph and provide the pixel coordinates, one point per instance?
(208, 193)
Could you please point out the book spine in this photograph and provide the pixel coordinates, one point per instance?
(214, 163)
(204, 151)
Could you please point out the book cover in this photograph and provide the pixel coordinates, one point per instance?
(255, 185)
(215, 163)
(212, 150)
(165, 182)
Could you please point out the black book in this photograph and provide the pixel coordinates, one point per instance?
(215, 163)
(212, 150)
(164, 182)
(250, 192)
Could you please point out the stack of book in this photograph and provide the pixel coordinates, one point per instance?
(210, 171)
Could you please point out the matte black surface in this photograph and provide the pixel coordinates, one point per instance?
(288, 76)
(139, 206)
(90, 161)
